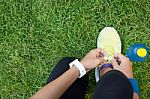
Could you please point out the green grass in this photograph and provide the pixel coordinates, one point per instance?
(35, 34)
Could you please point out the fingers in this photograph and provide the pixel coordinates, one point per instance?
(100, 61)
(119, 56)
(121, 59)
(114, 63)
(98, 52)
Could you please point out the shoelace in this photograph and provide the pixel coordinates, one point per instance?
(109, 50)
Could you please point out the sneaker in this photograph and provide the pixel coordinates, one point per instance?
(108, 40)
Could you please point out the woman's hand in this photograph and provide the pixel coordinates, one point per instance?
(122, 63)
(93, 59)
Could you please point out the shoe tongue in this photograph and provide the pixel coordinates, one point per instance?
(109, 49)
(109, 52)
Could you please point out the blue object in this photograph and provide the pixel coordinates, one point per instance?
(134, 85)
(137, 52)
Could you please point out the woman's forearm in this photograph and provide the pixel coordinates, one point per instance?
(56, 88)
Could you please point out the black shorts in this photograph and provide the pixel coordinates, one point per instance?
(112, 85)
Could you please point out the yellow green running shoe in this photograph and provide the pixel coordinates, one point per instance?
(110, 42)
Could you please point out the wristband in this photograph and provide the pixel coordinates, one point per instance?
(79, 66)
(105, 66)
(134, 84)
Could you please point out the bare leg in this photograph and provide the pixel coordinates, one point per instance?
(105, 70)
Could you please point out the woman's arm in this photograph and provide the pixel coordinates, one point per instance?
(56, 88)
(125, 67)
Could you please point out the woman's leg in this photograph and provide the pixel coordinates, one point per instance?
(113, 85)
(78, 89)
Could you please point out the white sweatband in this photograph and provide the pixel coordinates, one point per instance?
(79, 66)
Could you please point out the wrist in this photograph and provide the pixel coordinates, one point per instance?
(130, 75)
(79, 66)
(84, 63)
(75, 69)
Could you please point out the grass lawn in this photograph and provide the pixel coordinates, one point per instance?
(35, 34)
